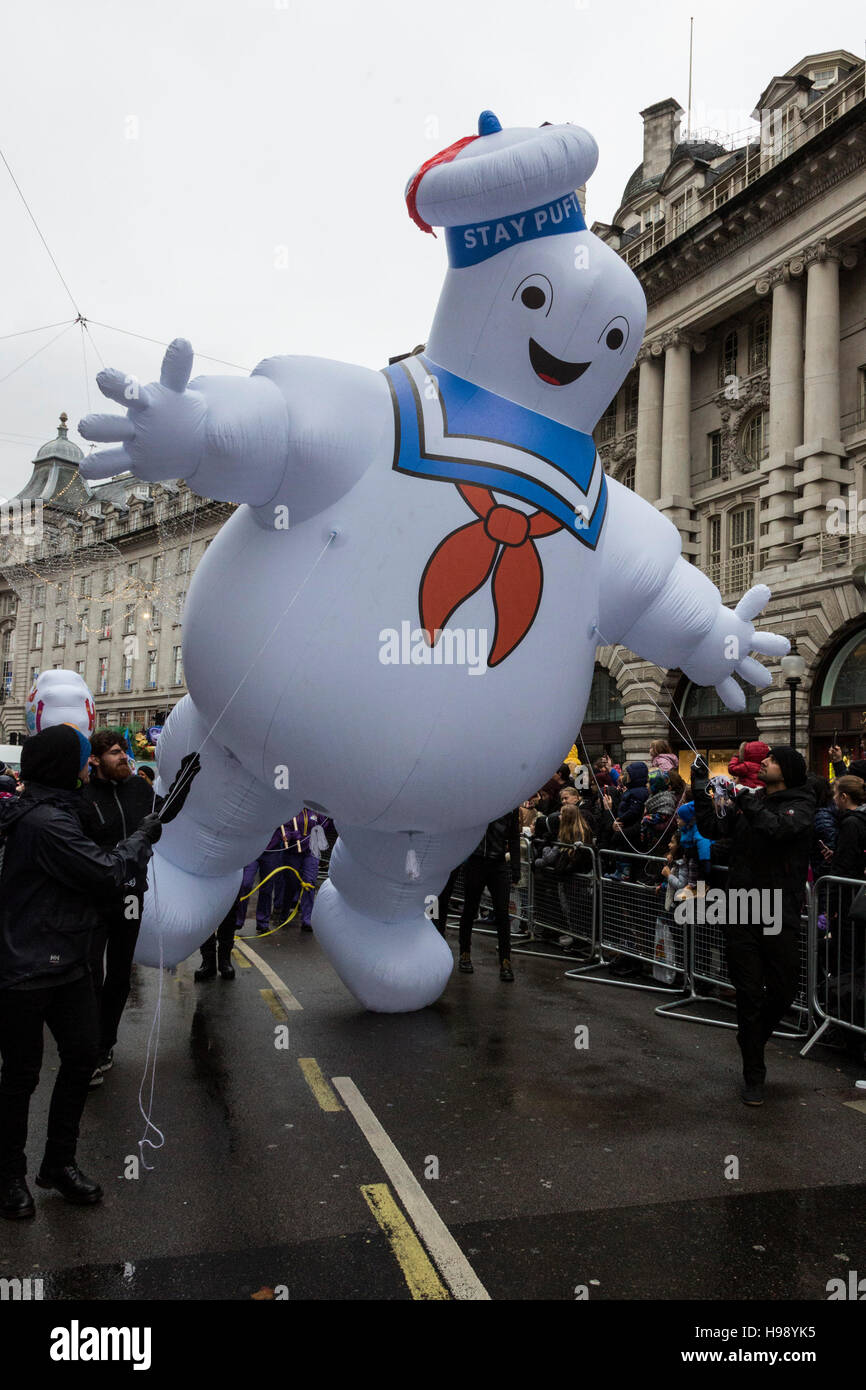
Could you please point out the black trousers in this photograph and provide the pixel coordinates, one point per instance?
(764, 971)
(112, 947)
(222, 941)
(495, 876)
(70, 1012)
(444, 902)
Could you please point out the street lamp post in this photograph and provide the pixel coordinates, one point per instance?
(793, 669)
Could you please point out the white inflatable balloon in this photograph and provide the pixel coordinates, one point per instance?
(425, 554)
(59, 697)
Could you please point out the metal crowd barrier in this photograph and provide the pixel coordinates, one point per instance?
(632, 923)
(837, 958)
(520, 920)
(564, 917)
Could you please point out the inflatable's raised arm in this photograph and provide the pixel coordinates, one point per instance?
(450, 519)
(298, 431)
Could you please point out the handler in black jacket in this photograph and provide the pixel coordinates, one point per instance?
(51, 871)
(116, 802)
(487, 867)
(769, 834)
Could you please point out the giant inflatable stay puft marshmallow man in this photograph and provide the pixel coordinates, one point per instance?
(421, 552)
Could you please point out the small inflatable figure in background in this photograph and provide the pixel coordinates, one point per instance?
(60, 697)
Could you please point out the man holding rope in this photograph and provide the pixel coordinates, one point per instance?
(116, 802)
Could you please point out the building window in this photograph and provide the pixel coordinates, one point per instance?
(861, 395)
(129, 620)
(183, 560)
(7, 678)
(681, 213)
(84, 586)
(604, 705)
(156, 568)
(60, 596)
(127, 673)
(607, 424)
(151, 669)
(79, 667)
(714, 548)
(728, 358)
(59, 631)
(34, 672)
(105, 623)
(741, 534)
(155, 617)
(631, 400)
(759, 343)
(39, 596)
(102, 683)
(132, 570)
(756, 437)
(181, 600)
(178, 666)
(37, 636)
(823, 77)
(108, 581)
(715, 445)
(627, 478)
(82, 625)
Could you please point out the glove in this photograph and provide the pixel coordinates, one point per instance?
(151, 827)
(190, 767)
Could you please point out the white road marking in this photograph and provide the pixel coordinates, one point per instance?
(444, 1250)
(283, 993)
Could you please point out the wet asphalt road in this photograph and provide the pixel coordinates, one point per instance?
(559, 1169)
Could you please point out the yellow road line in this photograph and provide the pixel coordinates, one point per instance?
(317, 1084)
(274, 1005)
(446, 1253)
(856, 1105)
(283, 993)
(240, 960)
(423, 1281)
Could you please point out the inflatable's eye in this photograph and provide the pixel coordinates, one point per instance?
(536, 292)
(615, 334)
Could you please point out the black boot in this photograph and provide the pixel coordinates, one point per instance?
(206, 971)
(226, 969)
(16, 1199)
(71, 1183)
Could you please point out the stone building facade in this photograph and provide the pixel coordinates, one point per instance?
(744, 419)
(95, 581)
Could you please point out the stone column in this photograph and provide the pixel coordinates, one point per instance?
(647, 480)
(777, 493)
(821, 473)
(676, 466)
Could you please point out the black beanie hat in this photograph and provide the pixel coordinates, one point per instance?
(792, 763)
(55, 757)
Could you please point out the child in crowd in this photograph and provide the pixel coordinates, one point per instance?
(662, 757)
(696, 850)
(659, 811)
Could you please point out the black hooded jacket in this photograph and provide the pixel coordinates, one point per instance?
(767, 839)
(51, 876)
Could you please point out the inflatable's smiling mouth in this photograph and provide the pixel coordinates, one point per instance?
(552, 369)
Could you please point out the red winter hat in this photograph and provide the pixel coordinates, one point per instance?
(756, 752)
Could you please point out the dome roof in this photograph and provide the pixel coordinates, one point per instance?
(60, 448)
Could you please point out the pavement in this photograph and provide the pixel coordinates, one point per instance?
(552, 1139)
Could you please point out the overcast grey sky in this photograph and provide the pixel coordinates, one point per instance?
(232, 170)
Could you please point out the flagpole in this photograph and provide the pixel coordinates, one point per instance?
(691, 37)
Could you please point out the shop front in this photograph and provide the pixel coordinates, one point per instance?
(715, 730)
(838, 712)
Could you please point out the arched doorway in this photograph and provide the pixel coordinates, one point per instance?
(714, 729)
(838, 713)
(601, 730)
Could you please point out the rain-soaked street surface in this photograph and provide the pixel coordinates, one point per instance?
(625, 1169)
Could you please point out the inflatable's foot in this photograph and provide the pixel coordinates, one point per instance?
(181, 910)
(370, 915)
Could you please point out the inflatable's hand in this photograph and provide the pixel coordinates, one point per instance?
(724, 650)
(163, 434)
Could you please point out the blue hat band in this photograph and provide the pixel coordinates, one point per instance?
(478, 241)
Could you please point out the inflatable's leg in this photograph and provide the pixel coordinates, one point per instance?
(226, 822)
(369, 916)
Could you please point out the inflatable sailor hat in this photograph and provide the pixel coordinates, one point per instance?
(501, 188)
